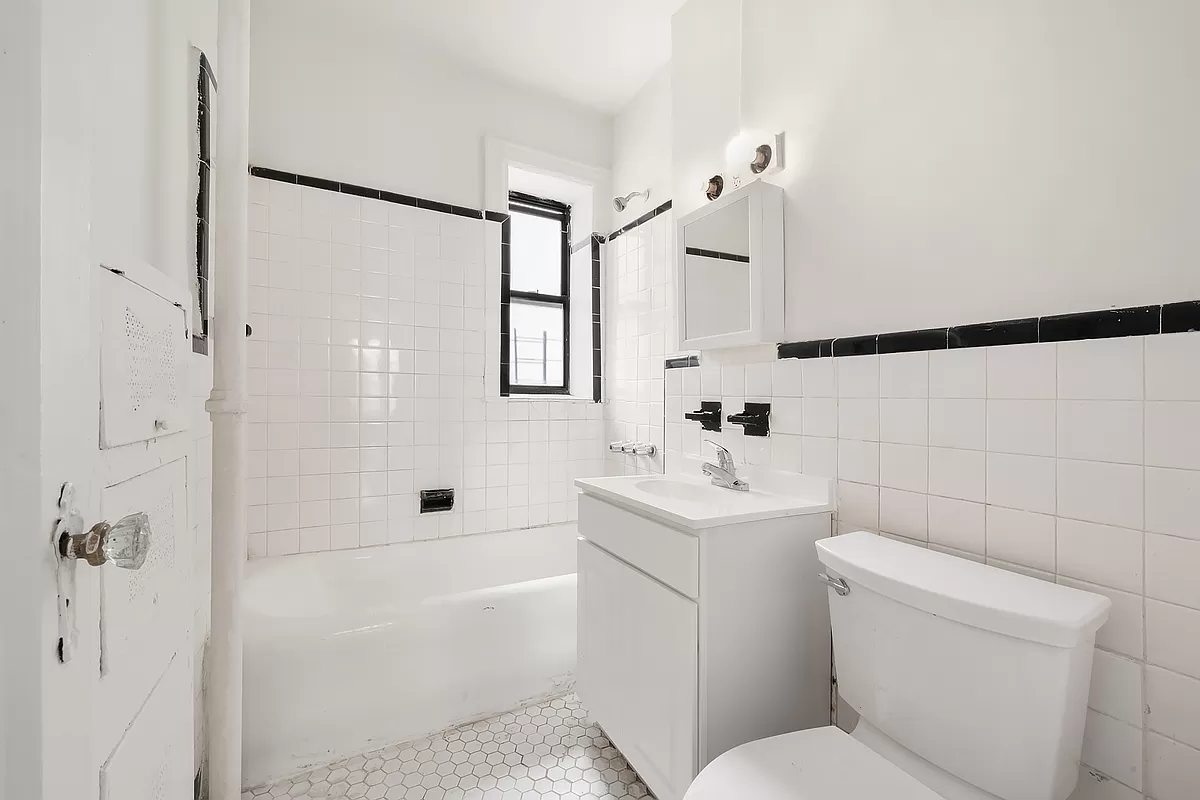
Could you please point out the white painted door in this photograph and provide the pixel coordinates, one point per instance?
(638, 668)
(125, 632)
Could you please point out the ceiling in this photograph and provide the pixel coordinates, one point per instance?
(594, 52)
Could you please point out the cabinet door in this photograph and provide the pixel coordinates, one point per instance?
(638, 668)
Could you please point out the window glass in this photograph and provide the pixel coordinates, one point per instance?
(537, 344)
(537, 260)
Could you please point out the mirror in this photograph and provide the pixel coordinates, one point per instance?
(729, 267)
(716, 267)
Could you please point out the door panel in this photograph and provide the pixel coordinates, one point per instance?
(144, 616)
(638, 668)
(144, 351)
(154, 757)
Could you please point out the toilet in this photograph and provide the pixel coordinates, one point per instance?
(971, 683)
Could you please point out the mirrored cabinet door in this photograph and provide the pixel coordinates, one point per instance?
(730, 268)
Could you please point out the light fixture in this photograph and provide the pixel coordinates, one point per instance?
(761, 153)
(714, 187)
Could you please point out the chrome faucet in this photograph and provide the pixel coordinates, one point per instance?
(724, 472)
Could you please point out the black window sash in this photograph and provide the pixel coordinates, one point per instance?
(521, 203)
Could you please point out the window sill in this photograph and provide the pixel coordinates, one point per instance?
(552, 398)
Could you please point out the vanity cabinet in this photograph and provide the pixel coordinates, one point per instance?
(695, 640)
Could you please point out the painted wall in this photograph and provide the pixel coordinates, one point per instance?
(337, 99)
(977, 162)
(642, 148)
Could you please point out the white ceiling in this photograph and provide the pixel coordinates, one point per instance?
(595, 52)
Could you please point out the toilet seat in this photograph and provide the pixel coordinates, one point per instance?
(815, 764)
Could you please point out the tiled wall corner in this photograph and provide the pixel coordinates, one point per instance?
(1076, 462)
(639, 333)
(369, 368)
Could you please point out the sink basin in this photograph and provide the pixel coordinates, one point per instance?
(690, 500)
(686, 491)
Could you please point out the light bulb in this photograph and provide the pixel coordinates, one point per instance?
(740, 150)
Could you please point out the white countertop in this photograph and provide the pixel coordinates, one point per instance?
(692, 501)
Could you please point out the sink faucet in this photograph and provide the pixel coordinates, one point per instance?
(724, 472)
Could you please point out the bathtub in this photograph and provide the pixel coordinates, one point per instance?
(353, 650)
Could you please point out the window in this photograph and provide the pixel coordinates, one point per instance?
(200, 310)
(535, 296)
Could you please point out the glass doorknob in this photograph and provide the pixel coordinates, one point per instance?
(124, 544)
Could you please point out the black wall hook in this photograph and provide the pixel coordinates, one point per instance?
(755, 419)
(709, 415)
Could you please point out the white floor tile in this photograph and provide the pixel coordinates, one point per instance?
(542, 752)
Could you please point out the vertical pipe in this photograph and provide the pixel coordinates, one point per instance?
(227, 404)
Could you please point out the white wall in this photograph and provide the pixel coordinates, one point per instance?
(642, 148)
(970, 162)
(338, 99)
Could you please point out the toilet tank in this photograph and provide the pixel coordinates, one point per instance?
(983, 673)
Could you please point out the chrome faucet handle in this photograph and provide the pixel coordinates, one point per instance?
(724, 457)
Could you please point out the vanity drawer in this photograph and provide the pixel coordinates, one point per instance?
(666, 554)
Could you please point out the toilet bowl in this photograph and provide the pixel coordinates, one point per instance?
(970, 682)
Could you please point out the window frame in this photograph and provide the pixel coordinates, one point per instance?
(205, 83)
(530, 205)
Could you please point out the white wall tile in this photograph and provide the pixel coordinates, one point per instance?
(1021, 537)
(957, 524)
(904, 514)
(787, 415)
(1022, 372)
(1173, 637)
(858, 461)
(1116, 688)
(1021, 482)
(1094, 785)
(1023, 427)
(904, 421)
(1172, 497)
(904, 467)
(819, 456)
(960, 373)
(1173, 705)
(857, 376)
(820, 417)
(1171, 372)
(819, 377)
(1101, 369)
(1114, 748)
(857, 419)
(1111, 494)
(960, 474)
(1173, 570)
(1100, 554)
(1173, 434)
(787, 377)
(958, 423)
(904, 375)
(858, 505)
(1100, 430)
(1172, 769)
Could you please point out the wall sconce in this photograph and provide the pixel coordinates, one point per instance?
(761, 152)
(714, 187)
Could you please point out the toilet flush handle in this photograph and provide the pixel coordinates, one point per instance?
(839, 585)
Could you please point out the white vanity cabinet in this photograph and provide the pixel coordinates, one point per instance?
(701, 625)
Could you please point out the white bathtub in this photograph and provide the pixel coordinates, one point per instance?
(353, 650)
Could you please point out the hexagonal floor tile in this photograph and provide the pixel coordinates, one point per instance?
(549, 751)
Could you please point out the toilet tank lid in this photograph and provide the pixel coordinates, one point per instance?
(965, 591)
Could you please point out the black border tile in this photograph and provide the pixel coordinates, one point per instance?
(717, 254)
(644, 218)
(1181, 317)
(991, 334)
(398, 199)
(856, 345)
(274, 174)
(360, 191)
(1101, 324)
(803, 349)
(913, 341)
(682, 362)
(318, 183)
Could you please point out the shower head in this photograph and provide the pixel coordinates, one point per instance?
(621, 203)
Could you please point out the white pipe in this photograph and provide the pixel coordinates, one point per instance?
(227, 404)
